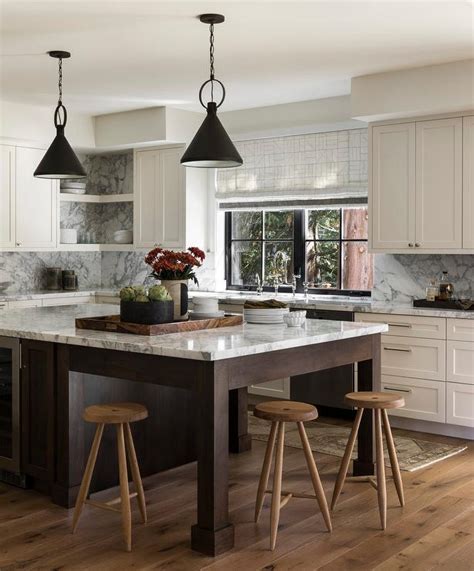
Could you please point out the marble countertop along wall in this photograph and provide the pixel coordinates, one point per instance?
(330, 302)
(57, 325)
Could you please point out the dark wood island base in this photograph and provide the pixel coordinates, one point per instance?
(198, 410)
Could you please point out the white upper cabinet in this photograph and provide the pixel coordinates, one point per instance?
(7, 197)
(159, 209)
(468, 182)
(36, 203)
(393, 183)
(418, 197)
(29, 206)
(439, 184)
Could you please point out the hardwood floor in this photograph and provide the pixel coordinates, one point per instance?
(435, 529)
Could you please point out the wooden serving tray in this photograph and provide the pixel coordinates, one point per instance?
(113, 323)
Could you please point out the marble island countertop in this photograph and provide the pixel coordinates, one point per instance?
(56, 324)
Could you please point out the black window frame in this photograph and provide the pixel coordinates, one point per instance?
(300, 241)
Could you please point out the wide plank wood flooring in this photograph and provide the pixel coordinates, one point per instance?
(435, 530)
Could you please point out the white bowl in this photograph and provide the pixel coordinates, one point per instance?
(68, 236)
(123, 237)
(293, 320)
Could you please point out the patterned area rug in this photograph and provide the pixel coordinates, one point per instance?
(413, 454)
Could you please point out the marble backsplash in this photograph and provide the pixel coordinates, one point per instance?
(98, 221)
(26, 270)
(402, 278)
(109, 173)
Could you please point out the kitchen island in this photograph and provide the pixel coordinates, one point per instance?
(200, 411)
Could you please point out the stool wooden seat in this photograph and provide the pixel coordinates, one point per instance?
(379, 403)
(120, 414)
(279, 412)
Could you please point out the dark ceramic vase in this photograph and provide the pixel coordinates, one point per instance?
(146, 312)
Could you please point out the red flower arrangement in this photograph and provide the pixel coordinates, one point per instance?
(170, 265)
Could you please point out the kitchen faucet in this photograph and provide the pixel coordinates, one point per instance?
(293, 283)
(259, 284)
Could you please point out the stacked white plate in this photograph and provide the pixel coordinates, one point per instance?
(206, 308)
(73, 186)
(265, 316)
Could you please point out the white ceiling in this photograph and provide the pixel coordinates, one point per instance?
(128, 55)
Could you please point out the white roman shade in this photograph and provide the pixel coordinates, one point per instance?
(297, 171)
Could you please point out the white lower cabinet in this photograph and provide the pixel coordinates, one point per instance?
(414, 358)
(69, 300)
(279, 389)
(460, 404)
(460, 362)
(107, 299)
(424, 400)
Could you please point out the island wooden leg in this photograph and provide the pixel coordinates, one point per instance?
(368, 380)
(239, 438)
(213, 534)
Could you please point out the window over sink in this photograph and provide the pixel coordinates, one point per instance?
(326, 247)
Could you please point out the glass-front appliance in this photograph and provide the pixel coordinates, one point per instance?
(9, 404)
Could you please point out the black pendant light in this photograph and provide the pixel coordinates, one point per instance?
(211, 146)
(60, 161)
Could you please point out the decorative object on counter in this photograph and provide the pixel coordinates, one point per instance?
(211, 146)
(174, 269)
(432, 291)
(457, 304)
(69, 280)
(60, 161)
(4, 286)
(123, 236)
(54, 281)
(270, 316)
(72, 186)
(115, 324)
(148, 308)
(206, 308)
(68, 236)
(446, 288)
(295, 318)
(265, 304)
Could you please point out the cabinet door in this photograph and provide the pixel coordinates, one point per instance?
(7, 197)
(36, 203)
(468, 182)
(159, 199)
(460, 404)
(439, 184)
(393, 187)
(37, 409)
(10, 404)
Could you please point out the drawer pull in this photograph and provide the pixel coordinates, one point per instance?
(407, 325)
(397, 349)
(397, 390)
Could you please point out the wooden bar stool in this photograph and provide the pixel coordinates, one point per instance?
(120, 414)
(379, 403)
(279, 412)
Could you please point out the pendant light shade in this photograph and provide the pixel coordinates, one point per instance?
(60, 161)
(211, 146)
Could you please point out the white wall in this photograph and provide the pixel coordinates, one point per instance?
(31, 124)
(428, 90)
(316, 116)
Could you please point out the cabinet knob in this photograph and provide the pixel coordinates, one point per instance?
(410, 245)
(18, 243)
(417, 245)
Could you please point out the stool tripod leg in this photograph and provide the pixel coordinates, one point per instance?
(86, 479)
(276, 495)
(124, 491)
(380, 469)
(318, 487)
(132, 457)
(267, 461)
(341, 476)
(392, 451)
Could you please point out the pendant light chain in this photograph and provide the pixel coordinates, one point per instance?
(211, 58)
(60, 82)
